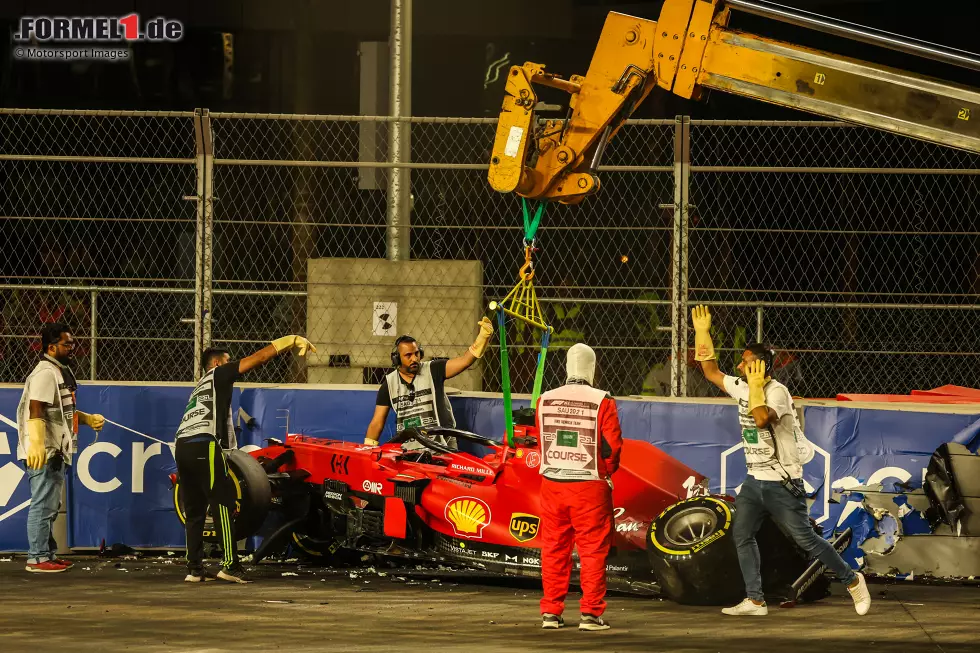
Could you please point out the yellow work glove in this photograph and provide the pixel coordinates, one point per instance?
(755, 376)
(704, 349)
(298, 343)
(479, 346)
(94, 420)
(371, 442)
(37, 453)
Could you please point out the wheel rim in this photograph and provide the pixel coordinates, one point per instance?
(690, 526)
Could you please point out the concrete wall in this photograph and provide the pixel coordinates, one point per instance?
(438, 302)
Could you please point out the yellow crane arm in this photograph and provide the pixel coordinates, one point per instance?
(691, 48)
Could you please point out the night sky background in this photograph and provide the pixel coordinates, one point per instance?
(454, 41)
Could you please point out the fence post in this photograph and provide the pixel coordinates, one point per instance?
(207, 233)
(198, 242)
(399, 145)
(679, 257)
(93, 336)
(758, 323)
(203, 237)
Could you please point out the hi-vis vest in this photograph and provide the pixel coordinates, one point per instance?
(413, 409)
(570, 447)
(199, 418)
(61, 419)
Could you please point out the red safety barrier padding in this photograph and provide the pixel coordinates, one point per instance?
(917, 397)
(951, 391)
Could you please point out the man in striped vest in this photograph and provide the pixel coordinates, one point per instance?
(205, 431)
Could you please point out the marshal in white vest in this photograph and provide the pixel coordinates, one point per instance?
(570, 446)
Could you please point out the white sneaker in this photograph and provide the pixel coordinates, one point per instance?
(549, 620)
(861, 596)
(747, 608)
(592, 622)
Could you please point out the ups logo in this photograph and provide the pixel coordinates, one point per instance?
(524, 527)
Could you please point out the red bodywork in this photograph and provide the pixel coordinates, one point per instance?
(494, 499)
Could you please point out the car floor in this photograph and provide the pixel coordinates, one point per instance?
(144, 605)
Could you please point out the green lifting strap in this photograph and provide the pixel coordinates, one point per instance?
(531, 224)
(539, 374)
(505, 377)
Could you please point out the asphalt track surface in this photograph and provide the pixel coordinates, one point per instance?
(142, 605)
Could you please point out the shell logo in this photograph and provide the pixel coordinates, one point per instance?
(469, 516)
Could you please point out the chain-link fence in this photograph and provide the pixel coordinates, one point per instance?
(154, 235)
(97, 234)
(855, 252)
(288, 191)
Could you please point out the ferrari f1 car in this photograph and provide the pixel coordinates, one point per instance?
(478, 508)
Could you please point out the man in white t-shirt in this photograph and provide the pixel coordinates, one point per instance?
(47, 426)
(774, 485)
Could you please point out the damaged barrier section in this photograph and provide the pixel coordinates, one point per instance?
(904, 477)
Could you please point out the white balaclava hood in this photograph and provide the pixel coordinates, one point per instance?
(580, 364)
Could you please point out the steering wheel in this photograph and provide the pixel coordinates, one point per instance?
(447, 432)
(422, 436)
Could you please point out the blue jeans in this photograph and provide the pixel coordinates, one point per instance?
(755, 500)
(46, 487)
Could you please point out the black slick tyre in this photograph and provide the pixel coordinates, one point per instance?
(253, 496)
(693, 555)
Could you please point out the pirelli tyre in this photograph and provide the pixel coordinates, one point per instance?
(693, 554)
(253, 496)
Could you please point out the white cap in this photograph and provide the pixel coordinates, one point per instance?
(580, 364)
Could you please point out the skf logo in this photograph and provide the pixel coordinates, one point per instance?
(469, 516)
(524, 527)
(374, 487)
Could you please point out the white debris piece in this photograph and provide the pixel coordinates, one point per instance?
(289, 573)
(6, 560)
(353, 575)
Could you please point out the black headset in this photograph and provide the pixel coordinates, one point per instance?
(396, 358)
(764, 352)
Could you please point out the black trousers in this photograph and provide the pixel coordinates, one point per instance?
(204, 482)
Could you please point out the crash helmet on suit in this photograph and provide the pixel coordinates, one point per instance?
(580, 364)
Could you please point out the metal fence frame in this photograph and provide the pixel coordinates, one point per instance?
(205, 161)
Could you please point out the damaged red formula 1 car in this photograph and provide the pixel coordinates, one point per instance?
(478, 508)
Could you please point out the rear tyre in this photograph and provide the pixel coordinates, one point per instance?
(693, 554)
(253, 497)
